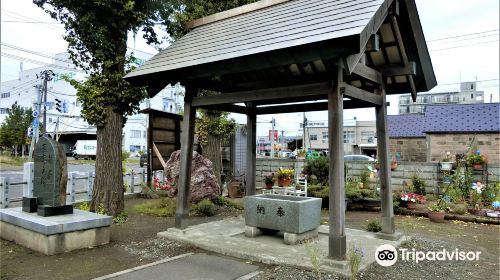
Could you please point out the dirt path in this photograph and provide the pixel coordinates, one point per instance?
(134, 243)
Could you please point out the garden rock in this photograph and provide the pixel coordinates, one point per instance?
(203, 182)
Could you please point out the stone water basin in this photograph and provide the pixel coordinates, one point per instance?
(290, 214)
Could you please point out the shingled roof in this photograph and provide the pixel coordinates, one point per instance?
(292, 42)
(406, 126)
(462, 118)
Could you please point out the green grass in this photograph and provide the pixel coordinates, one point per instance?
(18, 161)
(164, 207)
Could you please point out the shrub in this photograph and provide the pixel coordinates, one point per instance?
(164, 207)
(418, 184)
(224, 202)
(205, 208)
(125, 155)
(120, 219)
(354, 257)
(364, 177)
(318, 168)
(459, 209)
(374, 226)
(84, 206)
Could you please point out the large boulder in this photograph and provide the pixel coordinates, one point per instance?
(203, 181)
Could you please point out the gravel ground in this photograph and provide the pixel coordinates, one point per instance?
(402, 269)
(135, 243)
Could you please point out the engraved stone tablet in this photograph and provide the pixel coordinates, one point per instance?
(51, 175)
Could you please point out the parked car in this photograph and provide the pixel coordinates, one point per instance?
(143, 161)
(358, 158)
(314, 155)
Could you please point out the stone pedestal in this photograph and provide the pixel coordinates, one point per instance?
(55, 234)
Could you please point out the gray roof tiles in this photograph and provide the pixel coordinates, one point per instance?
(276, 27)
(483, 117)
(406, 126)
(448, 118)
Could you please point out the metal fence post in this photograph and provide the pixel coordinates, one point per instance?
(90, 184)
(132, 180)
(71, 186)
(4, 192)
(28, 177)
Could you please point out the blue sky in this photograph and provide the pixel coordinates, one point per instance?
(474, 56)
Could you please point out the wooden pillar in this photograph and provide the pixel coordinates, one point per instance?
(337, 238)
(385, 166)
(182, 211)
(251, 154)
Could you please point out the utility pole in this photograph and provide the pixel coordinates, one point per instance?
(282, 139)
(46, 76)
(273, 122)
(304, 140)
(35, 124)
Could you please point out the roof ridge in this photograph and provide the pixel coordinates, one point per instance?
(233, 12)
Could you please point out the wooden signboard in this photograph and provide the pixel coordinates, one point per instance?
(164, 137)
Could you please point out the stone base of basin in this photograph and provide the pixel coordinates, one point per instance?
(296, 238)
(55, 234)
(288, 237)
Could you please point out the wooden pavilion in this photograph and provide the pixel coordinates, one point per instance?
(267, 57)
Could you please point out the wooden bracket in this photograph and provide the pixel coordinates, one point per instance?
(160, 157)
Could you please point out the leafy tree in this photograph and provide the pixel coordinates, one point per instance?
(96, 32)
(212, 127)
(13, 130)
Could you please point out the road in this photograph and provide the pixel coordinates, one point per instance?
(14, 174)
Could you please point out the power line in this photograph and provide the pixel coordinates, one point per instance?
(35, 53)
(34, 61)
(462, 46)
(462, 35)
(25, 18)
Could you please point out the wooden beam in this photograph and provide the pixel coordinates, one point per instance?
(385, 169)
(160, 157)
(362, 95)
(404, 57)
(251, 153)
(369, 73)
(263, 94)
(182, 210)
(309, 107)
(336, 238)
(390, 71)
(230, 108)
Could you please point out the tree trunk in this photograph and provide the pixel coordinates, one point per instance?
(108, 183)
(212, 151)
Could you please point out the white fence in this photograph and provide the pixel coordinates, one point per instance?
(132, 179)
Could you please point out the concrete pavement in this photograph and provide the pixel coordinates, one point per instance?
(187, 267)
(227, 237)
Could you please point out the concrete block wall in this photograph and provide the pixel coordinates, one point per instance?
(428, 171)
(487, 143)
(410, 149)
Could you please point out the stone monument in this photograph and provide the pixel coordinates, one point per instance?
(50, 180)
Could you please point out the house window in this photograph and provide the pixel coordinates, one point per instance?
(6, 95)
(313, 137)
(472, 96)
(135, 148)
(325, 136)
(348, 137)
(4, 110)
(135, 134)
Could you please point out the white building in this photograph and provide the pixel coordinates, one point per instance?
(68, 125)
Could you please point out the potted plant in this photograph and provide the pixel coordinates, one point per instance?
(269, 181)
(436, 212)
(446, 163)
(476, 161)
(284, 176)
(475, 197)
(235, 189)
